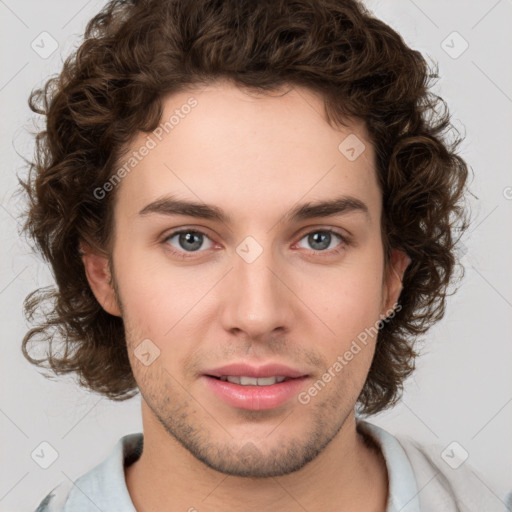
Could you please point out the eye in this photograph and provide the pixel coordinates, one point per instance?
(322, 240)
(183, 243)
(187, 240)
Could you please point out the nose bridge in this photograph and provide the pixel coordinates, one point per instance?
(257, 301)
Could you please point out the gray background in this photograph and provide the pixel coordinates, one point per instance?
(462, 388)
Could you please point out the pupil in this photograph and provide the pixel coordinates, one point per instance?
(187, 238)
(315, 240)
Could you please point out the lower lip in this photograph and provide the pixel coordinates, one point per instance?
(255, 398)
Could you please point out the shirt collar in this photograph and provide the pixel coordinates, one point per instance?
(403, 490)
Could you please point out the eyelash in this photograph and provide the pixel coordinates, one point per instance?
(344, 242)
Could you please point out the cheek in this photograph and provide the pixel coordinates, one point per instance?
(351, 299)
(149, 285)
(161, 303)
(147, 300)
(350, 307)
(359, 301)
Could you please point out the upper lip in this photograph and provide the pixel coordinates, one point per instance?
(247, 370)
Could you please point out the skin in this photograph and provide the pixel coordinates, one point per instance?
(256, 156)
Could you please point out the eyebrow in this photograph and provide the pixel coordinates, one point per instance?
(324, 208)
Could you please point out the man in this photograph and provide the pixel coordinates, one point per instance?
(250, 216)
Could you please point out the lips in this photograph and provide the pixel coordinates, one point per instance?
(244, 380)
(256, 388)
(246, 370)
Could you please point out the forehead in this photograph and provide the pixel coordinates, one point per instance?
(254, 152)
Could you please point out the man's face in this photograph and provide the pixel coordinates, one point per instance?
(258, 288)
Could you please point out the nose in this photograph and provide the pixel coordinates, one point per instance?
(258, 297)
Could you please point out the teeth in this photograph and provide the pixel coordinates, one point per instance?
(247, 381)
(252, 381)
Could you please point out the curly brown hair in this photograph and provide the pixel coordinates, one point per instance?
(134, 53)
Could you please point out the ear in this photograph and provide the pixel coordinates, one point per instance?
(99, 278)
(394, 274)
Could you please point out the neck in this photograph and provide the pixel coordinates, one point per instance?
(350, 474)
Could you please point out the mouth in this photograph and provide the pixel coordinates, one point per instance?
(244, 380)
(255, 388)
